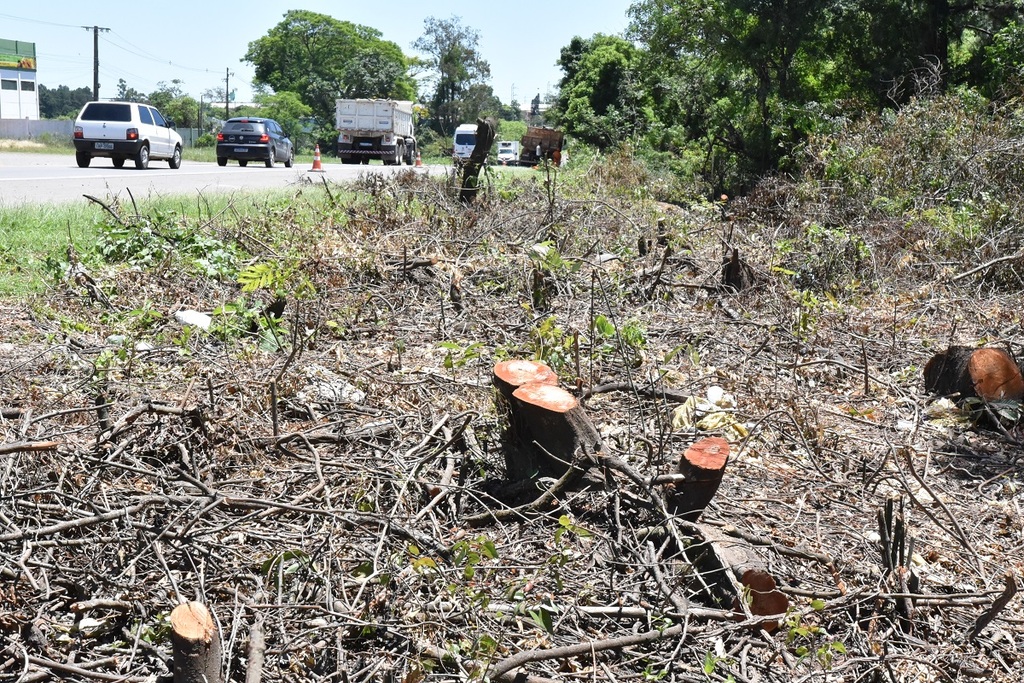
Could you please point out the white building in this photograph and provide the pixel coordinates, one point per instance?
(19, 90)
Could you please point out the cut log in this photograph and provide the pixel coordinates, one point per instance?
(196, 645)
(509, 375)
(552, 424)
(964, 372)
(702, 466)
(734, 573)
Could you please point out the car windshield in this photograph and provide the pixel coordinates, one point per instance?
(107, 111)
(243, 127)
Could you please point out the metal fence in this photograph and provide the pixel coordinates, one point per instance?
(32, 129)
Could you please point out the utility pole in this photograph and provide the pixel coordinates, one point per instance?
(95, 58)
(227, 91)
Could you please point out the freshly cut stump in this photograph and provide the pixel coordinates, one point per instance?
(196, 645)
(965, 372)
(552, 422)
(509, 375)
(702, 465)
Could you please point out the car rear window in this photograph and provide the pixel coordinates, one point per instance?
(243, 127)
(107, 111)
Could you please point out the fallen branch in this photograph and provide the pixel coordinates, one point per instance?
(997, 606)
(28, 446)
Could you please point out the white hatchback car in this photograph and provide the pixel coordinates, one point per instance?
(125, 130)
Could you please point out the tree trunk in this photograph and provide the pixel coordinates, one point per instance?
(702, 465)
(964, 372)
(736, 273)
(734, 572)
(554, 428)
(485, 131)
(196, 645)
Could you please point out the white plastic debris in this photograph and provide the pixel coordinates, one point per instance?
(194, 318)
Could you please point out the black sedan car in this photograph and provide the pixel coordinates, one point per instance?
(251, 138)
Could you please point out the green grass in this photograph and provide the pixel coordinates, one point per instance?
(30, 234)
(34, 237)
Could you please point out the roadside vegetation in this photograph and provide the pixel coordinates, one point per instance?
(281, 405)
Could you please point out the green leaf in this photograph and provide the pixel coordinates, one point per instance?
(817, 604)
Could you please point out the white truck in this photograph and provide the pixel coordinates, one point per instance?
(508, 152)
(375, 129)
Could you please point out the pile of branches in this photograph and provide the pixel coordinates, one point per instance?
(342, 503)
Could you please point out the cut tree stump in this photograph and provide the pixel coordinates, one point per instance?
(702, 466)
(551, 423)
(196, 645)
(734, 573)
(737, 274)
(509, 375)
(965, 372)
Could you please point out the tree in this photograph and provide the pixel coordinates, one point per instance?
(750, 80)
(62, 101)
(174, 104)
(600, 100)
(454, 68)
(128, 94)
(321, 59)
(287, 109)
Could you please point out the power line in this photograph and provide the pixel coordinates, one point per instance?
(36, 21)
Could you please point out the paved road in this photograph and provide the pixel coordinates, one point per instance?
(27, 178)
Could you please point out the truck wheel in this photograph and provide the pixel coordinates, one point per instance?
(142, 158)
(400, 155)
(83, 159)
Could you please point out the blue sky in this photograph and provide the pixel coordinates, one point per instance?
(197, 42)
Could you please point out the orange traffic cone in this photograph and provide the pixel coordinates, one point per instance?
(419, 161)
(317, 166)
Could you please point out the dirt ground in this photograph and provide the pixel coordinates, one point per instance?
(341, 503)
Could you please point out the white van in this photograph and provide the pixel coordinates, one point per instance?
(508, 152)
(464, 141)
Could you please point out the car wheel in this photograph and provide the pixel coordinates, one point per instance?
(270, 158)
(243, 162)
(142, 158)
(290, 159)
(119, 162)
(222, 161)
(175, 160)
(83, 159)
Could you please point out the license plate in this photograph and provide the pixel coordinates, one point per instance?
(104, 145)
(241, 150)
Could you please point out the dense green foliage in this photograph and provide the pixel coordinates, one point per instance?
(599, 100)
(321, 59)
(738, 86)
(62, 102)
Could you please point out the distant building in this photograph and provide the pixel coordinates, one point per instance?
(19, 93)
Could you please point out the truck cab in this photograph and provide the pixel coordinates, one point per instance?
(464, 141)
